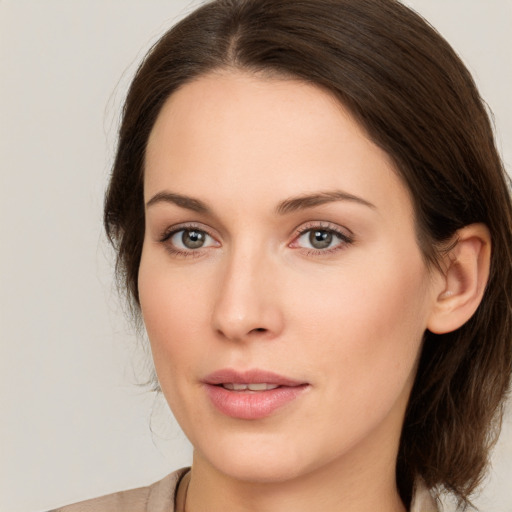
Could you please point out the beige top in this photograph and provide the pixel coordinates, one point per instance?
(161, 497)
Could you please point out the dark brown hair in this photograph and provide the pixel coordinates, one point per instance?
(406, 86)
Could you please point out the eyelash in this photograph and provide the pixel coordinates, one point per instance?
(344, 239)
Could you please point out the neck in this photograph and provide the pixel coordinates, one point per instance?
(342, 485)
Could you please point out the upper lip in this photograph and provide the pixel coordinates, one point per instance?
(255, 376)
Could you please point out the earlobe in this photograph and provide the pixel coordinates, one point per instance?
(463, 282)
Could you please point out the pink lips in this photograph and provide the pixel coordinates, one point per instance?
(247, 404)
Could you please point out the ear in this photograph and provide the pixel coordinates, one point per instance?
(463, 280)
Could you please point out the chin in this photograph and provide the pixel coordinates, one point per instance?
(258, 459)
(258, 469)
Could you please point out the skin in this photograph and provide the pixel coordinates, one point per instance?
(348, 320)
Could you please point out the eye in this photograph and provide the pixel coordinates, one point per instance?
(321, 239)
(188, 240)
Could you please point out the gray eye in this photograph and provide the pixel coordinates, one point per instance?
(193, 239)
(320, 239)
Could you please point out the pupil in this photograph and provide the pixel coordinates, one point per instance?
(320, 239)
(193, 239)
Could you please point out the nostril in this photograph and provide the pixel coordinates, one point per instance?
(259, 329)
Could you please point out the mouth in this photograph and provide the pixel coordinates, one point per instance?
(231, 386)
(253, 394)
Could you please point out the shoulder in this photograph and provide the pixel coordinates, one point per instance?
(157, 497)
(422, 500)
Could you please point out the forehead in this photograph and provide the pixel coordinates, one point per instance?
(254, 104)
(264, 138)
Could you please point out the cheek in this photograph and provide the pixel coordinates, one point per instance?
(174, 311)
(365, 324)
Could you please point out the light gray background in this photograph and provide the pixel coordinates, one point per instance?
(73, 424)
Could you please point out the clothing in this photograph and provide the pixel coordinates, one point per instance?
(160, 497)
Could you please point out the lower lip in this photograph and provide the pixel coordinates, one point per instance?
(252, 405)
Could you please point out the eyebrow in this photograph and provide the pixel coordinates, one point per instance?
(284, 207)
(183, 201)
(317, 199)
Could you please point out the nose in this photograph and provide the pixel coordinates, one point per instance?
(247, 305)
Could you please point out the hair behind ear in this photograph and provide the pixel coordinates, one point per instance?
(464, 371)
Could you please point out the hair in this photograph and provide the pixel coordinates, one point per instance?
(414, 97)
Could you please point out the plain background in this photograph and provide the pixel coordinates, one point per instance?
(73, 422)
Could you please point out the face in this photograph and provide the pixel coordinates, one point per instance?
(281, 284)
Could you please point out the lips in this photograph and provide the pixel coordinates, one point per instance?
(251, 395)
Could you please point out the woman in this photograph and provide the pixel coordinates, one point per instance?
(313, 221)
